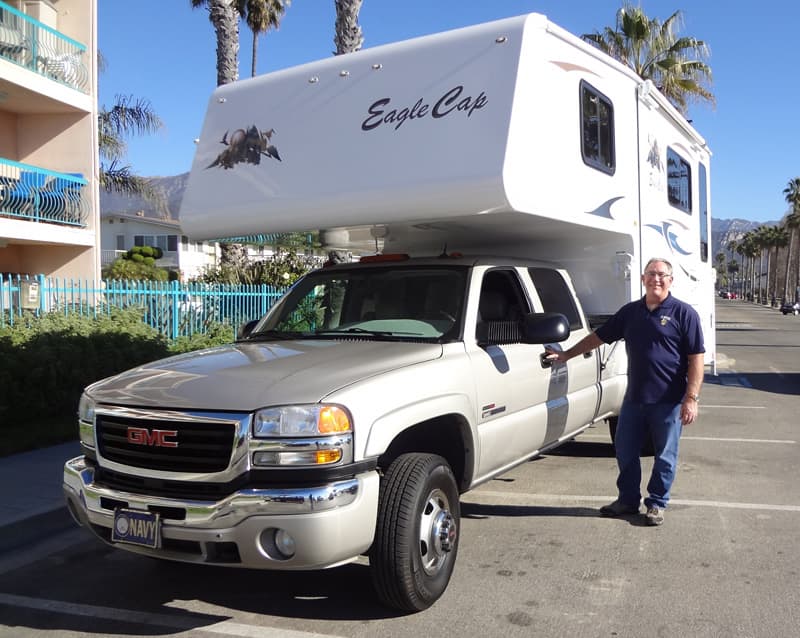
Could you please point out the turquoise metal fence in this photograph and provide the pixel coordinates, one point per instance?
(175, 309)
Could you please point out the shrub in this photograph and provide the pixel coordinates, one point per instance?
(48, 360)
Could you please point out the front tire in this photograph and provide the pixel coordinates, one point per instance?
(416, 537)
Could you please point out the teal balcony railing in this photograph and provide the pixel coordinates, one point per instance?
(43, 50)
(35, 194)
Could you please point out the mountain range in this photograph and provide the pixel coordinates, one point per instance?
(723, 231)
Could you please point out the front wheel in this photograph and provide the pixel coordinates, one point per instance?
(416, 538)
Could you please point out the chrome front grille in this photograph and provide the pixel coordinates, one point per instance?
(169, 445)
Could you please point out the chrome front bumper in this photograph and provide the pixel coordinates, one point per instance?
(331, 524)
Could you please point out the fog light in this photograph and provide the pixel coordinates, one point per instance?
(278, 544)
(284, 543)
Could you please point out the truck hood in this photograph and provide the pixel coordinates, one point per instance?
(247, 376)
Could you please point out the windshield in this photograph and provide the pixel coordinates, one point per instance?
(375, 303)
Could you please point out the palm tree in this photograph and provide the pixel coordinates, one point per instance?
(348, 36)
(654, 50)
(722, 278)
(126, 117)
(261, 16)
(769, 238)
(733, 269)
(224, 17)
(747, 248)
(792, 223)
(779, 238)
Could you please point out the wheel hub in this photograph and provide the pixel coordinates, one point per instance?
(438, 532)
(446, 532)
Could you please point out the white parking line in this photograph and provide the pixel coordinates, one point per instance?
(724, 440)
(180, 623)
(719, 439)
(479, 496)
(735, 407)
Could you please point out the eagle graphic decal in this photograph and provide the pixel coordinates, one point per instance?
(246, 145)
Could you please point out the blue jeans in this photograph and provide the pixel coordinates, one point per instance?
(662, 422)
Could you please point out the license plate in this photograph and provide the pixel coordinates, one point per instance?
(136, 527)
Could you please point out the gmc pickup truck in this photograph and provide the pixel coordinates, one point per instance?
(345, 422)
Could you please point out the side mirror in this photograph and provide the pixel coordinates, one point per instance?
(544, 327)
(245, 329)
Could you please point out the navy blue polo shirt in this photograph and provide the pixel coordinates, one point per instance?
(658, 344)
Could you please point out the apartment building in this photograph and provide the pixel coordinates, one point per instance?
(49, 201)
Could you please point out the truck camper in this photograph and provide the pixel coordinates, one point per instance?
(505, 184)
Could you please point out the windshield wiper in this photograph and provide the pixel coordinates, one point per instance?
(373, 333)
(273, 335)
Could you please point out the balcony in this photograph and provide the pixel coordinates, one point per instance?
(43, 50)
(34, 194)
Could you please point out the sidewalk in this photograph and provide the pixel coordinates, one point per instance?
(30, 491)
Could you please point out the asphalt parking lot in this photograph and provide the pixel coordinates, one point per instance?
(535, 557)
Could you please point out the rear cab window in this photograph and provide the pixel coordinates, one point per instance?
(555, 295)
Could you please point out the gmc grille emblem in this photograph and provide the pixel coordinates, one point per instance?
(153, 438)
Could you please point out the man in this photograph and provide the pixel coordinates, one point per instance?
(664, 342)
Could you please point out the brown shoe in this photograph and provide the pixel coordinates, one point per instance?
(654, 515)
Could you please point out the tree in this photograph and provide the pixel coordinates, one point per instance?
(654, 50)
(769, 238)
(779, 238)
(348, 36)
(281, 270)
(261, 16)
(733, 269)
(138, 264)
(748, 247)
(722, 278)
(792, 223)
(224, 17)
(126, 117)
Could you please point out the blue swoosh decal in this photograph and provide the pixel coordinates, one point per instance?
(670, 237)
(604, 210)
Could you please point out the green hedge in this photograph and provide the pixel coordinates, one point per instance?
(48, 360)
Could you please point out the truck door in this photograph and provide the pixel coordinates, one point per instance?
(511, 386)
(574, 388)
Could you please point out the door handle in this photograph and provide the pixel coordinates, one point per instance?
(546, 363)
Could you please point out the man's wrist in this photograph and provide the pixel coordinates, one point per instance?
(693, 396)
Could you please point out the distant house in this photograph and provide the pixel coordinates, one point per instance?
(121, 232)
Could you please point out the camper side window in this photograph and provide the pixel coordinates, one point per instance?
(703, 200)
(679, 181)
(597, 129)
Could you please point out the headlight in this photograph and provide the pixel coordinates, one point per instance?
(86, 421)
(301, 420)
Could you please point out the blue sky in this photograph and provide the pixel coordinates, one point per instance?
(164, 51)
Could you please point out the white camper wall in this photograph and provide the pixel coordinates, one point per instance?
(545, 174)
(669, 231)
(407, 131)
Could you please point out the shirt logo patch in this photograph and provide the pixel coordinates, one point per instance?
(665, 319)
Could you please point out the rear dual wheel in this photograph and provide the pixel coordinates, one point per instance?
(416, 538)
